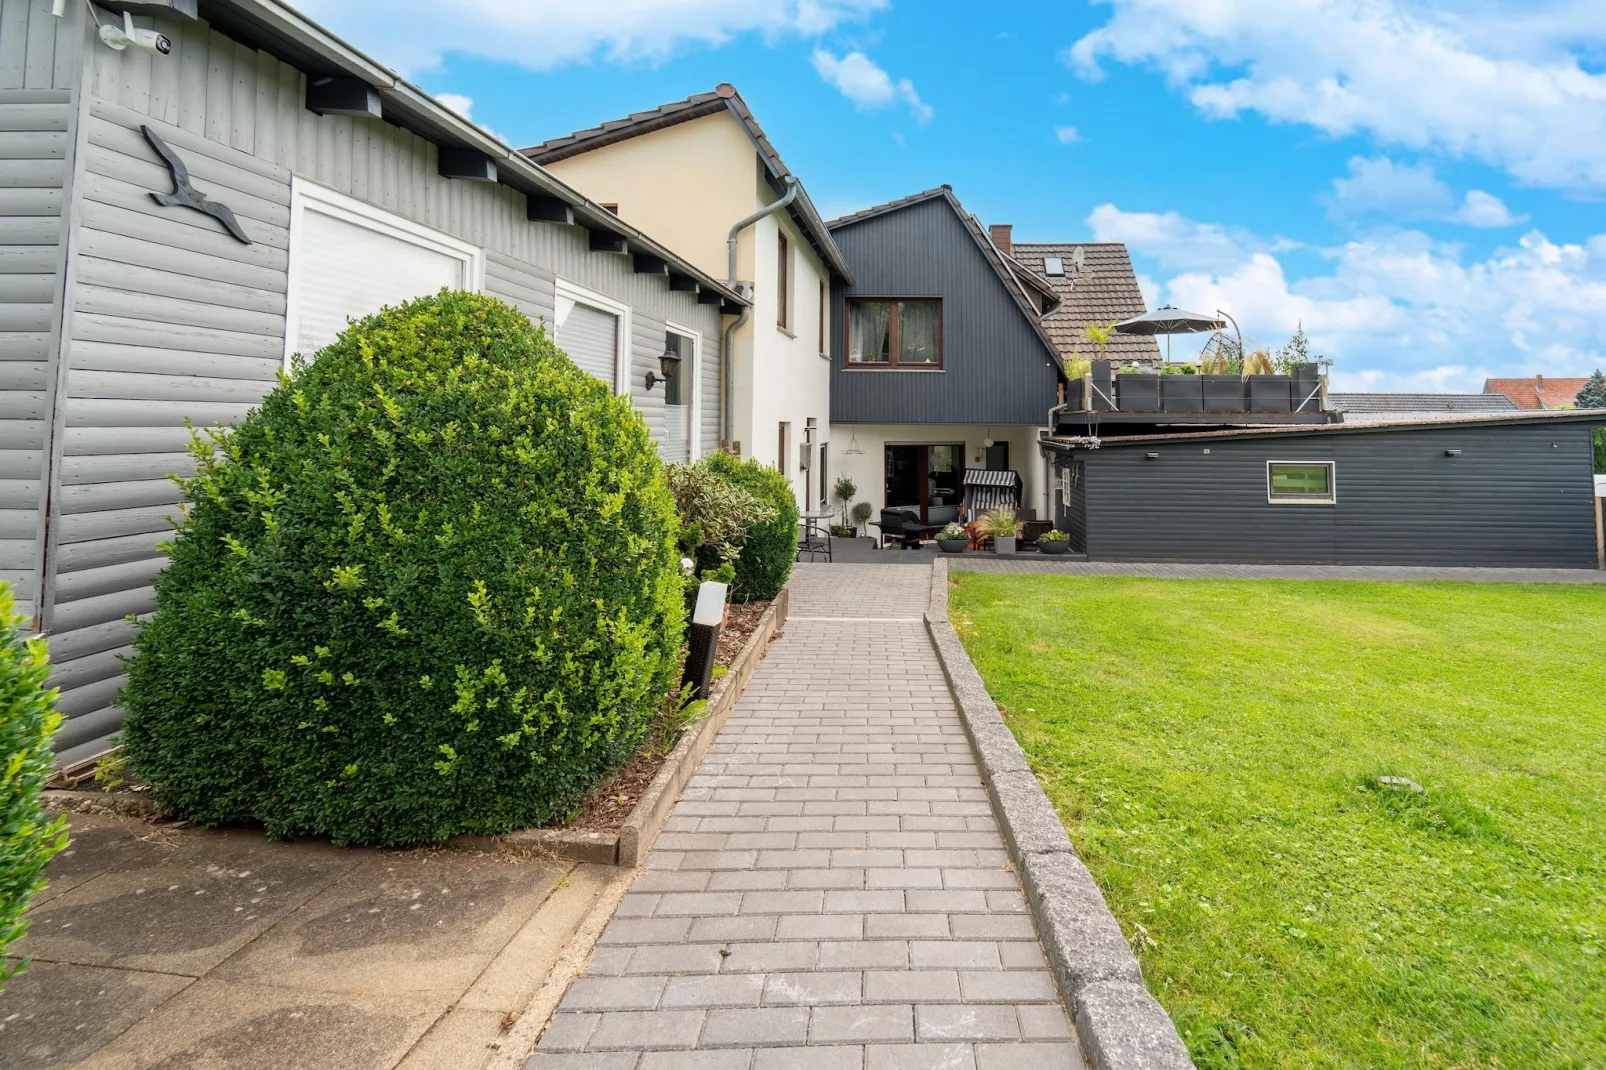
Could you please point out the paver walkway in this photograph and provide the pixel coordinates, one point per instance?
(831, 892)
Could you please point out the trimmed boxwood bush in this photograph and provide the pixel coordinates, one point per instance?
(27, 721)
(430, 587)
(765, 559)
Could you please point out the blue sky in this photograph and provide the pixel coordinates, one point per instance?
(1420, 185)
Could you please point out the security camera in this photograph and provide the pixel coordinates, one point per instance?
(120, 37)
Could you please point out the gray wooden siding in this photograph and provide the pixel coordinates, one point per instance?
(1509, 498)
(38, 68)
(996, 368)
(170, 318)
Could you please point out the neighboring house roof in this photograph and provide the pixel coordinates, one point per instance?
(1419, 403)
(1401, 422)
(1031, 295)
(287, 34)
(1103, 292)
(724, 97)
(1540, 392)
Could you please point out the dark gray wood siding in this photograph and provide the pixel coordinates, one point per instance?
(1516, 495)
(996, 369)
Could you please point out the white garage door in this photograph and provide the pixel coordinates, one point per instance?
(349, 259)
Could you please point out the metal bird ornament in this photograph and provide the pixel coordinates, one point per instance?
(184, 194)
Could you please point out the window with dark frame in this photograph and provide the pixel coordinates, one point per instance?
(783, 279)
(894, 333)
(1300, 483)
(824, 299)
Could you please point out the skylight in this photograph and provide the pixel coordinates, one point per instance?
(1053, 265)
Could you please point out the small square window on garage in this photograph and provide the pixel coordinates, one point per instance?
(1299, 482)
(349, 259)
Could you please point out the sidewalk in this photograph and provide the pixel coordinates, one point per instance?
(831, 891)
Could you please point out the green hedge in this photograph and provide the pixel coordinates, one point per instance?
(27, 720)
(430, 587)
(765, 559)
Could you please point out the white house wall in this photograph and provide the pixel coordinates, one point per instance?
(867, 469)
(168, 317)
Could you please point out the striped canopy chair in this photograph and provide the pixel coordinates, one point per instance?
(986, 489)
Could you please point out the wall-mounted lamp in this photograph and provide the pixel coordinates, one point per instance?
(667, 363)
(1152, 456)
(1452, 453)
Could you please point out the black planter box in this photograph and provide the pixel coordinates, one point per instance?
(1138, 393)
(1222, 393)
(1307, 381)
(1102, 388)
(1270, 393)
(1181, 393)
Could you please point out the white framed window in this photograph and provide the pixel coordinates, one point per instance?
(683, 394)
(1301, 483)
(349, 259)
(594, 330)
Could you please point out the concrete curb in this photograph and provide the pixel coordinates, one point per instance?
(630, 845)
(1121, 1026)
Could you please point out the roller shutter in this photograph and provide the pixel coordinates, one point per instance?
(590, 337)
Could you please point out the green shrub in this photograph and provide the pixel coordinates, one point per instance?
(430, 587)
(765, 559)
(715, 514)
(1600, 451)
(27, 721)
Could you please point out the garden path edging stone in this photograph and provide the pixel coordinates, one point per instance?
(1121, 1026)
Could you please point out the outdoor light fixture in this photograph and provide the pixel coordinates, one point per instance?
(1452, 453)
(667, 363)
(707, 618)
(1152, 456)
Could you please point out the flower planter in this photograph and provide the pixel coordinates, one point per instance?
(1222, 393)
(1053, 546)
(1181, 393)
(1269, 393)
(839, 532)
(952, 546)
(1138, 393)
(1003, 546)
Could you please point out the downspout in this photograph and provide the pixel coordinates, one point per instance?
(730, 243)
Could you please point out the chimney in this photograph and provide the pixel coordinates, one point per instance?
(1000, 233)
(1539, 384)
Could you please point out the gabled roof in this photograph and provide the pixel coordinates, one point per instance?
(1419, 403)
(724, 97)
(1540, 392)
(1103, 292)
(1031, 295)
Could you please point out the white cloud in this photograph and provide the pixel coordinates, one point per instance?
(1481, 209)
(1397, 310)
(413, 35)
(464, 106)
(1067, 135)
(857, 77)
(1459, 77)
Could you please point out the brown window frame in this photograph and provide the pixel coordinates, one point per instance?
(892, 364)
(783, 279)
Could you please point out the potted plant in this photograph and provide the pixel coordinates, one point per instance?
(1001, 525)
(1053, 542)
(953, 539)
(861, 513)
(843, 493)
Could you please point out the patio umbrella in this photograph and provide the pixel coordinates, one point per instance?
(1169, 320)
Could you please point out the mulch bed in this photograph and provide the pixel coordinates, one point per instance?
(606, 808)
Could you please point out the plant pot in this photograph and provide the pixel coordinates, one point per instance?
(1222, 393)
(1003, 546)
(1137, 392)
(1054, 546)
(1181, 393)
(1269, 393)
(839, 532)
(952, 546)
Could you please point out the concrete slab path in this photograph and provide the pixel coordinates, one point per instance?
(161, 946)
(831, 892)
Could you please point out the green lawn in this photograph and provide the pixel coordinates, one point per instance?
(1214, 749)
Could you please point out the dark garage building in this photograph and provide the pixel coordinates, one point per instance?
(1512, 490)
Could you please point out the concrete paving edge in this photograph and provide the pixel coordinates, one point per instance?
(1120, 1025)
